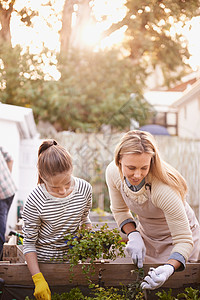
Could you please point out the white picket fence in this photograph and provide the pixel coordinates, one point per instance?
(92, 153)
(184, 155)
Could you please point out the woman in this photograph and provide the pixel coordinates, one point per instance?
(167, 233)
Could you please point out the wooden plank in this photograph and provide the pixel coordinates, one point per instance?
(13, 253)
(112, 274)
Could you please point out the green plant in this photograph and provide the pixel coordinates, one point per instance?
(111, 293)
(96, 293)
(90, 246)
(74, 293)
(166, 295)
(191, 294)
(133, 290)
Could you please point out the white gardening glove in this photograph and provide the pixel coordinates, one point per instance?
(136, 248)
(157, 277)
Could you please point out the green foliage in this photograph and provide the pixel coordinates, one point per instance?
(74, 293)
(89, 246)
(22, 79)
(100, 293)
(96, 293)
(95, 89)
(166, 295)
(189, 294)
(148, 37)
(133, 290)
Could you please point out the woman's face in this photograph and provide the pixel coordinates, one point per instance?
(135, 167)
(60, 185)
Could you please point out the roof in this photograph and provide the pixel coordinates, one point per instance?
(162, 100)
(188, 94)
(183, 86)
(22, 116)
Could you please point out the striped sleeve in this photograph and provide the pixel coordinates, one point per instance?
(31, 218)
(86, 190)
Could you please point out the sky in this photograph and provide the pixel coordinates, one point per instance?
(41, 34)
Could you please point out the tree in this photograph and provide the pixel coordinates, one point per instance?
(148, 37)
(6, 10)
(22, 80)
(95, 89)
(70, 36)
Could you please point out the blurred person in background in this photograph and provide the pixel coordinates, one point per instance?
(7, 192)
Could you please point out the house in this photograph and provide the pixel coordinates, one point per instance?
(167, 105)
(188, 109)
(18, 134)
(165, 114)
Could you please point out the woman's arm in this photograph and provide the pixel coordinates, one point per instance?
(129, 227)
(175, 263)
(173, 208)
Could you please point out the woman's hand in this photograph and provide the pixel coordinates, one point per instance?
(157, 276)
(136, 248)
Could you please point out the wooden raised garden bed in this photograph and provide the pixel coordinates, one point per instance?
(15, 275)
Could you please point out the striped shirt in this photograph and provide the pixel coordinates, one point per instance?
(47, 219)
(7, 185)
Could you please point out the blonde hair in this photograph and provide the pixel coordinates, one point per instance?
(52, 160)
(138, 142)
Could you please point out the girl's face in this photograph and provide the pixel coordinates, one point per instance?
(135, 167)
(60, 185)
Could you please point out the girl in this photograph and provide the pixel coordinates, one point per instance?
(167, 232)
(58, 205)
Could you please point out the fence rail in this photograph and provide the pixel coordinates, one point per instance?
(93, 152)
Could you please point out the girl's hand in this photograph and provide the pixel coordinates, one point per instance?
(42, 291)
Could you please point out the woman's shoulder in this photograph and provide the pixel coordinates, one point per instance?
(158, 185)
(112, 168)
(112, 175)
(161, 190)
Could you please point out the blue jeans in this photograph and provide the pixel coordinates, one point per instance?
(4, 209)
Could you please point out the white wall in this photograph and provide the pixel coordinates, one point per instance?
(10, 139)
(189, 119)
(24, 153)
(28, 167)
